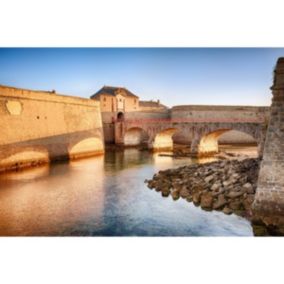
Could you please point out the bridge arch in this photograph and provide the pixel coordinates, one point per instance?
(135, 136)
(86, 147)
(208, 143)
(163, 140)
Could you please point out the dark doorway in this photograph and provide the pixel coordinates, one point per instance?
(120, 116)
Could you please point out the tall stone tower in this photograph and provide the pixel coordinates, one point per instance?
(269, 199)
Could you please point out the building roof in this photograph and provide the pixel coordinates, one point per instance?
(156, 104)
(113, 91)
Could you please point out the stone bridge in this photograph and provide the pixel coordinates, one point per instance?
(158, 134)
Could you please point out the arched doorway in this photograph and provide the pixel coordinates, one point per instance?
(120, 116)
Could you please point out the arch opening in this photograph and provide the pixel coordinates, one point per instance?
(120, 116)
(87, 147)
(135, 136)
(227, 140)
(164, 140)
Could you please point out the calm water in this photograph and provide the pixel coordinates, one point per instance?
(104, 196)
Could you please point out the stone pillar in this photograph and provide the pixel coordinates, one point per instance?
(194, 146)
(269, 200)
(119, 132)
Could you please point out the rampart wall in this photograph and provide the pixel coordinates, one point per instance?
(38, 126)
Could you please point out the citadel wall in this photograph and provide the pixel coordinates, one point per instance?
(38, 127)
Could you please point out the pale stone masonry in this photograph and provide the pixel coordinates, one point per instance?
(40, 127)
(269, 200)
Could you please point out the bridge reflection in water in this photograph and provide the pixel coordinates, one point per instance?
(106, 196)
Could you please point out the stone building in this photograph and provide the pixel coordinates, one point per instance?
(118, 103)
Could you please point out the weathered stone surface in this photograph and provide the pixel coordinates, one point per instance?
(184, 193)
(227, 210)
(175, 194)
(196, 198)
(220, 202)
(234, 194)
(206, 200)
(41, 127)
(269, 199)
(189, 182)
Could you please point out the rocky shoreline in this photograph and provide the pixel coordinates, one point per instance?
(227, 185)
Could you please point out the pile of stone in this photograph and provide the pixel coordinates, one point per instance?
(227, 185)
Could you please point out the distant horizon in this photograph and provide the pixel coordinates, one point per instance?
(175, 76)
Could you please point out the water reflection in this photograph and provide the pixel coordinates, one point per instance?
(106, 196)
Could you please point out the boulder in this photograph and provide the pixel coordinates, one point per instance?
(247, 187)
(175, 195)
(184, 193)
(208, 179)
(215, 186)
(234, 194)
(206, 201)
(220, 202)
(189, 198)
(235, 205)
(165, 192)
(227, 210)
(196, 198)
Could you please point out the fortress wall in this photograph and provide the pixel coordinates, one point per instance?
(39, 126)
(148, 115)
(221, 113)
(269, 199)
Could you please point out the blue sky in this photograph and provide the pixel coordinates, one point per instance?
(224, 76)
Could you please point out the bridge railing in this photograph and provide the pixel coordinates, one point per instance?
(193, 120)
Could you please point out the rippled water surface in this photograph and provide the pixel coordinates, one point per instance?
(104, 196)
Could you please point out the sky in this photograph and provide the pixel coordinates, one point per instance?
(204, 76)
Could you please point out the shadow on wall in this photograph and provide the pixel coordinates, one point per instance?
(135, 136)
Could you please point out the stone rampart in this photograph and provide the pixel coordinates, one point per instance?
(269, 199)
(39, 127)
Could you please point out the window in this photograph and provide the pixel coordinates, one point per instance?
(104, 99)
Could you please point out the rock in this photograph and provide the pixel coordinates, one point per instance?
(209, 178)
(234, 194)
(250, 198)
(196, 198)
(227, 210)
(220, 203)
(189, 199)
(206, 201)
(235, 205)
(151, 184)
(226, 183)
(247, 187)
(184, 193)
(215, 186)
(175, 194)
(165, 192)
